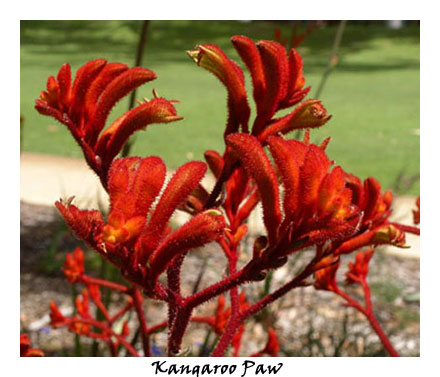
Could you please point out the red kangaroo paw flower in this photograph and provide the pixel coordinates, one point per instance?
(273, 345)
(368, 197)
(97, 87)
(236, 341)
(372, 195)
(309, 114)
(355, 185)
(25, 348)
(295, 92)
(247, 207)
(326, 262)
(250, 55)
(275, 66)
(64, 79)
(277, 84)
(221, 315)
(289, 164)
(57, 319)
(386, 234)
(312, 173)
(84, 76)
(117, 89)
(53, 92)
(94, 291)
(325, 278)
(358, 270)
(80, 328)
(111, 141)
(82, 304)
(73, 267)
(333, 231)
(258, 166)
(134, 183)
(213, 59)
(121, 229)
(85, 224)
(236, 189)
(215, 162)
(83, 107)
(334, 198)
(239, 235)
(200, 230)
(183, 182)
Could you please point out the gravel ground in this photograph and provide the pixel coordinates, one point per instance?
(308, 322)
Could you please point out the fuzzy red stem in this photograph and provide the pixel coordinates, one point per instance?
(373, 321)
(233, 325)
(113, 348)
(173, 277)
(382, 336)
(235, 299)
(104, 283)
(137, 300)
(88, 152)
(368, 313)
(208, 320)
(407, 228)
(215, 289)
(158, 327)
(164, 324)
(120, 313)
(179, 326)
(103, 309)
(107, 330)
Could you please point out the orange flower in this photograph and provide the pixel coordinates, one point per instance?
(73, 266)
(57, 319)
(325, 278)
(358, 270)
(272, 346)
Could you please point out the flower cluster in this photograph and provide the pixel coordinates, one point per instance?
(308, 202)
(84, 106)
(144, 249)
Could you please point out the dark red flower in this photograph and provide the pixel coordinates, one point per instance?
(25, 348)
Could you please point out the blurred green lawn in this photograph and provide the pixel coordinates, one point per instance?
(374, 93)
